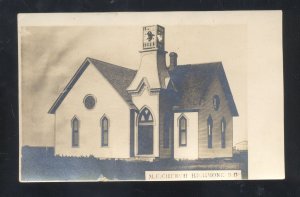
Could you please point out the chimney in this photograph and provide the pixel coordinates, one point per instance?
(173, 60)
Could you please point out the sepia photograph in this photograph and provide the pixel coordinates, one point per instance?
(177, 96)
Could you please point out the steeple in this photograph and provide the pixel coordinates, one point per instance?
(152, 70)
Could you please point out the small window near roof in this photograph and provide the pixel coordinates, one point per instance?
(89, 101)
(216, 102)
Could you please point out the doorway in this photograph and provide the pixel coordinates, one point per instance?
(145, 132)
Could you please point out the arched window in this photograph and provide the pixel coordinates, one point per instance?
(209, 131)
(75, 132)
(182, 131)
(223, 133)
(145, 116)
(216, 102)
(104, 131)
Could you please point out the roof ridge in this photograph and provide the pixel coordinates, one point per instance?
(110, 64)
(200, 64)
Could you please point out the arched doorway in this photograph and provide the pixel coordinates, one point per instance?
(145, 132)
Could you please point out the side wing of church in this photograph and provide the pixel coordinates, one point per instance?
(158, 111)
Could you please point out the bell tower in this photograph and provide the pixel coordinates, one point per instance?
(152, 69)
(148, 88)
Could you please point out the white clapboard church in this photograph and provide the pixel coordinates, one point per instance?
(158, 111)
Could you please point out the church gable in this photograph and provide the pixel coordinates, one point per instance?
(117, 76)
(193, 82)
(215, 101)
(103, 119)
(91, 84)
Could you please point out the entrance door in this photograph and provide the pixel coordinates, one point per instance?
(145, 137)
(145, 133)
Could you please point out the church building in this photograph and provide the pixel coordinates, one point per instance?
(161, 110)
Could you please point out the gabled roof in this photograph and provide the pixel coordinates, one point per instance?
(119, 77)
(192, 82)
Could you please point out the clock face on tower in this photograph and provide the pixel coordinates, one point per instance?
(153, 37)
(150, 36)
